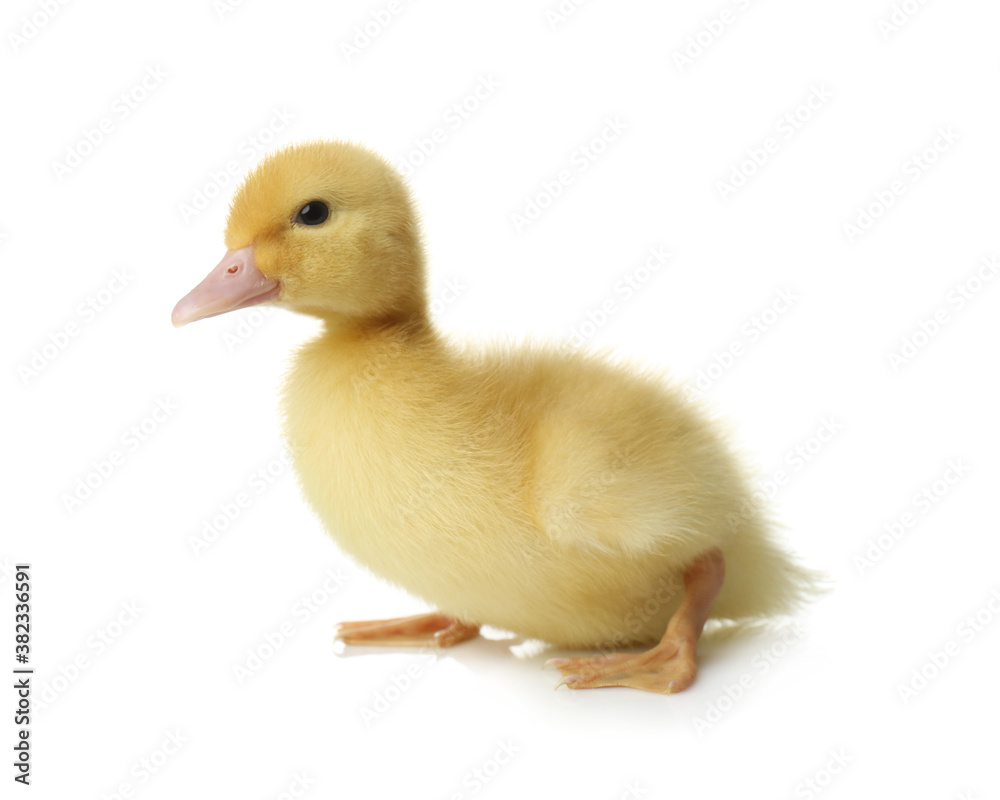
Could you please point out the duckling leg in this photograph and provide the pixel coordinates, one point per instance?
(424, 630)
(671, 665)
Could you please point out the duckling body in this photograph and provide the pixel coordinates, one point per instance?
(543, 492)
(555, 493)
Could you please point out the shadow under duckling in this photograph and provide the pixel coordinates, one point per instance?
(553, 493)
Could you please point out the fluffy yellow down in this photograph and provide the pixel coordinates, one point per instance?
(553, 493)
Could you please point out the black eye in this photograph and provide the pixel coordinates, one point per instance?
(314, 212)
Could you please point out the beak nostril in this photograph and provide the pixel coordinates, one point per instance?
(233, 269)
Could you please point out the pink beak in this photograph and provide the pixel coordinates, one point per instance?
(234, 283)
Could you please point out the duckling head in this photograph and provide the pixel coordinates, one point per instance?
(324, 228)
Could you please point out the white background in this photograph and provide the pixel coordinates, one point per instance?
(828, 708)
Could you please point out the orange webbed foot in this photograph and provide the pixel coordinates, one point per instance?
(424, 630)
(670, 666)
(667, 668)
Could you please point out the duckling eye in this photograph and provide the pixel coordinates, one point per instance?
(314, 212)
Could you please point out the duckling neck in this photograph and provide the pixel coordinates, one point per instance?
(383, 355)
(411, 329)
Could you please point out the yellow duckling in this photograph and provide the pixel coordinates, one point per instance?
(548, 492)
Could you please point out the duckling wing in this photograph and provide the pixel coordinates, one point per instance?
(620, 462)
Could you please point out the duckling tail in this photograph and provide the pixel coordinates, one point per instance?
(762, 580)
